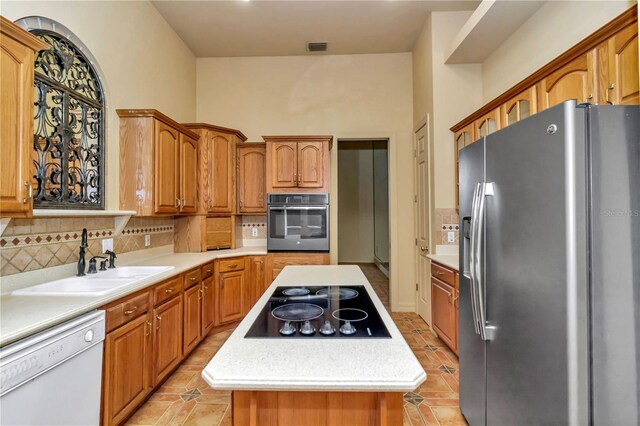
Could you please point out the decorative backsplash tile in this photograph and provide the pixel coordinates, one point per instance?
(30, 244)
(446, 220)
(250, 222)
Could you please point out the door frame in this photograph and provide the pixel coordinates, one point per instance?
(426, 121)
(392, 149)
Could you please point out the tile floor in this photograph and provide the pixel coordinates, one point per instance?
(185, 399)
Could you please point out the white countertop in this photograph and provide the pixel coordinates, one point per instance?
(449, 260)
(21, 316)
(315, 364)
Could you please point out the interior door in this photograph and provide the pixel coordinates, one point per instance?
(423, 221)
(528, 298)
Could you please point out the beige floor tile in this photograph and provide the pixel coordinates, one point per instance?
(449, 416)
(206, 414)
(149, 413)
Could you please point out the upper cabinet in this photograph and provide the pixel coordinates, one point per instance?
(575, 80)
(158, 159)
(601, 69)
(519, 107)
(252, 190)
(298, 163)
(619, 67)
(487, 124)
(216, 168)
(17, 48)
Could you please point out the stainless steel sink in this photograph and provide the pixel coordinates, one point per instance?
(101, 284)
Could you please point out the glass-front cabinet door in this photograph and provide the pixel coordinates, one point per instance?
(519, 107)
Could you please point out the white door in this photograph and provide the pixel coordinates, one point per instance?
(423, 221)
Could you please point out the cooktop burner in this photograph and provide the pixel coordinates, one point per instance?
(319, 312)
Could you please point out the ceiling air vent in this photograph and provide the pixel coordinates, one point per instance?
(317, 46)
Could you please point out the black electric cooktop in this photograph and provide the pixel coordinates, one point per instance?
(328, 312)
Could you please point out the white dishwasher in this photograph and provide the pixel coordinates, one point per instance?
(54, 377)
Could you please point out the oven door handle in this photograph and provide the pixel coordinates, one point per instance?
(306, 207)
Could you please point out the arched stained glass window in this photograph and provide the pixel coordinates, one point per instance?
(69, 127)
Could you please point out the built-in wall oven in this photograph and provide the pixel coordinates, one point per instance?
(298, 222)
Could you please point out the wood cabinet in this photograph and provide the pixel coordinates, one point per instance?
(276, 262)
(601, 69)
(188, 174)
(257, 279)
(298, 163)
(167, 342)
(575, 80)
(216, 167)
(252, 190)
(128, 356)
(444, 304)
(201, 233)
(231, 299)
(157, 163)
(192, 332)
(127, 369)
(487, 124)
(519, 107)
(208, 306)
(618, 67)
(463, 137)
(17, 48)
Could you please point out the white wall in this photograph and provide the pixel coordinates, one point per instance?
(447, 92)
(348, 96)
(554, 28)
(355, 198)
(145, 63)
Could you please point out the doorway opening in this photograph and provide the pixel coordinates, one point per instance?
(363, 207)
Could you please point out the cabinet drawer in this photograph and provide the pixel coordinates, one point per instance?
(236, 264)
(207, 270)
(167, 290)
(125, 311)
(442, 273)
(192, 278)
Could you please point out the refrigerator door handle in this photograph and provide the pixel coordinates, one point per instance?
(472, 257)
(486, 331)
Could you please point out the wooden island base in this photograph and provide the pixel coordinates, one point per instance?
(288, 408)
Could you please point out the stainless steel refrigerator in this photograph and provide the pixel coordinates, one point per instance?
(550, 270)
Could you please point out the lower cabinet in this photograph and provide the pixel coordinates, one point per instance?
(167, 342)
(277, 261)
(444, 304)
(231, 296)
(192, 318)
(257, 280)
(208, 306)
(127, 369)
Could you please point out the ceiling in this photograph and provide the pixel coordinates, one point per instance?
(282, 28)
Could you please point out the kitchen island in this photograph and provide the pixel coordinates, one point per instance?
(315, 381)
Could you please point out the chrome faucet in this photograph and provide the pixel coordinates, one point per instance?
(83, 247)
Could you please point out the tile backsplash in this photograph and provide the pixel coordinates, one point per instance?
(30, 244)
(446, 220)
(250, 222)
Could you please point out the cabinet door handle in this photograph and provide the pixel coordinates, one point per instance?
(130, 311)
(241, 203)
(169, 290)
(208, 271)
(192, 278)
(177, 203)
(609, 89)
(148, 325)
(235, 265)
(159, 318)
(29, 191)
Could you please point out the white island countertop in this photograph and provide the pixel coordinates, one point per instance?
(21, 316)
(376, 364)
